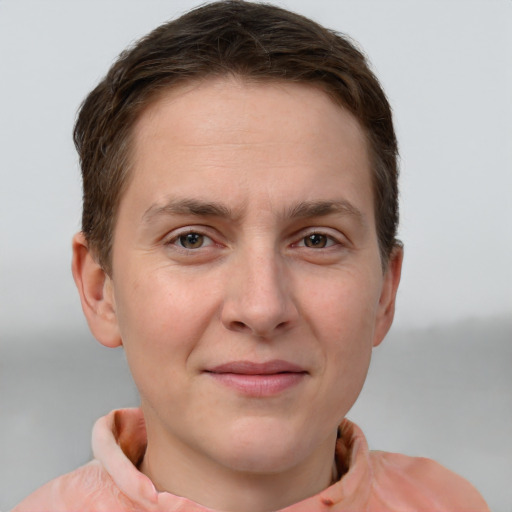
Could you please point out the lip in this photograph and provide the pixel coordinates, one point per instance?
(258, 379)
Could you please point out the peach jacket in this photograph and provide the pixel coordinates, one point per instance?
(373, 482)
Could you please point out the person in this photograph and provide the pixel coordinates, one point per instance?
(238, 239)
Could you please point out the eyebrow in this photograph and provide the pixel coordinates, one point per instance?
(304, 209)
(187, 207)
(307, 209)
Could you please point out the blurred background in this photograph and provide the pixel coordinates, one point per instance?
(441, 384)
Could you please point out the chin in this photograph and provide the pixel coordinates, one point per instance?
(262, 446)
(260, 460)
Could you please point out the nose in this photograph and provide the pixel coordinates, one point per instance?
(259, 300)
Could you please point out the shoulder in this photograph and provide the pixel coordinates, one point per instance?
(401, 480)
(88, 489)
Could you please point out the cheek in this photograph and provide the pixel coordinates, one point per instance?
(343, 305)
(161, 318)
(342, 314)
(157, 334)
(158, 302)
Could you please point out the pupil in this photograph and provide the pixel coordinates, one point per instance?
(191, 240)
(316, 240)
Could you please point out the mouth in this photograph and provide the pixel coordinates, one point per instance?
(258, 380)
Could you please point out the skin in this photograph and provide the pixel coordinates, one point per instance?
(246, 233)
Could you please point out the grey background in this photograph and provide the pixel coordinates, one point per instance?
(440, 386)
(442, 392)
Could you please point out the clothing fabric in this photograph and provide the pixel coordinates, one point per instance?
(372, 481)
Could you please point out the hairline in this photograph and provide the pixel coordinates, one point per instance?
(149, 98)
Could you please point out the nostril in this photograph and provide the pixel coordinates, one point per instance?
(238, 326)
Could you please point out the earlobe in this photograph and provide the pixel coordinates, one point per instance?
(387, 300)
(96, 294)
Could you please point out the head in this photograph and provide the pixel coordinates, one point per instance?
(257, 42)
(239, 242)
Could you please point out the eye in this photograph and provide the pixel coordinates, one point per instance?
(193, 240)
(317, 241)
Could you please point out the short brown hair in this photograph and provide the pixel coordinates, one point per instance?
(250, 40)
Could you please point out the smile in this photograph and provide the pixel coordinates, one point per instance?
(258, 380)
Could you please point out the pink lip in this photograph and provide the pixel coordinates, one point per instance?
(258, 379)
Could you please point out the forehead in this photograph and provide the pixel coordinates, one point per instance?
(241, 106)
(269, 131)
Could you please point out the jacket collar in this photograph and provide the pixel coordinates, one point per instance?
(119, 442)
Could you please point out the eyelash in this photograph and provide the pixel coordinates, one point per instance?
(330, 241)
(176, 240)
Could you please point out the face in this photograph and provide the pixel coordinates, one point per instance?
(247, 285)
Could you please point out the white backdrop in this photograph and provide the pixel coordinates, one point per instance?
(447, 69)
(446, 66)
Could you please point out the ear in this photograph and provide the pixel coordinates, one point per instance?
(386, 306)
(96, 294)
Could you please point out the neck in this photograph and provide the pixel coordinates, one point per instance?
(180, 470)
